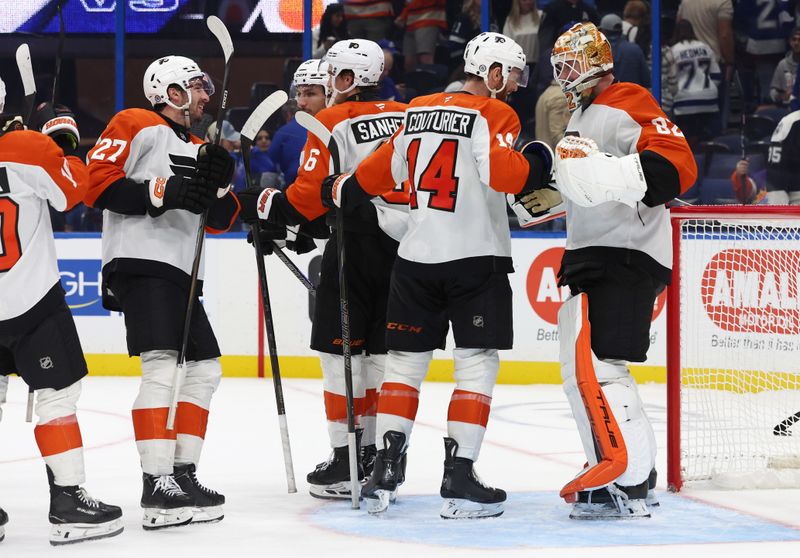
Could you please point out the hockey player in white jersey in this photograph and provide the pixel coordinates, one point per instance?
(360, 122)
(153, 179)
(620, 161)
(456, 151)
(38, 339)
(783, 162)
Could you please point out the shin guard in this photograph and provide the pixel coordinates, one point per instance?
(191, 420)
(333, 383)
(58, 434)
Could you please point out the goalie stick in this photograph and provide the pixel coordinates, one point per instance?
(60, 51)
(319, 130)
(25, 68)
(219, 31)
(263, 111)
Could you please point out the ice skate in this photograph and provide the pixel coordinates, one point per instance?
(3, 521)
(207, 503)
(331, 478)
(466, 496)
(77, 517)
(368, 454)
(611, 502)
(165, 504)
(389, 472)
(652, 500)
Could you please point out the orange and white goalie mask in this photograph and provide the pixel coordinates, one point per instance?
(581, 56)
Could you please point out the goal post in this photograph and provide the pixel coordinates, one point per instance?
(733, 347)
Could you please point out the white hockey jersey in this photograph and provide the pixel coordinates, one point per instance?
(33, 173)
(140, 145)
(456, 150)
(694, 76)
(625, 119)
(359, 127)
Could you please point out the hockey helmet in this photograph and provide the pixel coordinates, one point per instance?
(312, 72)
(491, 48)
(581, 56)
(174, 71)
(362, 57)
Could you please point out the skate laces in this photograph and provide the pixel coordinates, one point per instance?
(167, 485)
(86, 498)
(202, 488)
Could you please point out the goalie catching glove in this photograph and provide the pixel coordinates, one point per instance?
(588, 178)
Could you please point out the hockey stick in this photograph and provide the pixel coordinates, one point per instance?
(782, 428)
(60, 51)
(28, 82)
(219, 31)
(25, 68)
(293, 268)
(319, 130)
(263, 111)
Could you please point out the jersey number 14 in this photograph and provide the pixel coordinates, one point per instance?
(438, 178)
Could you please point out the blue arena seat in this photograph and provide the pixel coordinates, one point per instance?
(717, 191)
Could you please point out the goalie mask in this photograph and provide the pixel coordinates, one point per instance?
(174, 71)
(362, 57)
(488, 49)
(313, 72)
(581, 56)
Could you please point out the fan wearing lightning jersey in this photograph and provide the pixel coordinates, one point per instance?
(360, 123)
(620, 161)
(456, 151)
(38, 339)
(783, 162)
(153, 179)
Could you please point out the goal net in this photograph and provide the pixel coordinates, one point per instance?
(733, 347)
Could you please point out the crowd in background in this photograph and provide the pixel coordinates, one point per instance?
(728, 73)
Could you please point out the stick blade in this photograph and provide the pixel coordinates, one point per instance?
(262, 112)
(26, 69)
(314, 126)
(219, 30)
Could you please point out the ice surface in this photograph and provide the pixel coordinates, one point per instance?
(531, 449)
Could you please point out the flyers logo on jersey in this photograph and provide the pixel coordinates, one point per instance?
(753, 291)
(159, 187)
(366, 131)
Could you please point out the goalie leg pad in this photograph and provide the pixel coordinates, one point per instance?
(778, 197)
(475, 375)
(58, 434)
(333, 384)
(611, 458)
(191, 419)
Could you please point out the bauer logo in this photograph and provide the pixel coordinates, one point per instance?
(753, 291)
(82, 281)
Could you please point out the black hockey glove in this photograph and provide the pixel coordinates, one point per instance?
(255, 204)
(540, 158)
(299, 242)
(179, 192)
(58, 122)
(215, 165)
(267, 233)
(342, 190)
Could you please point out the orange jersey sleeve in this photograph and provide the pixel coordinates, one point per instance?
(658, 133)
(508, 168)
(108, 157)
(68, 173)
(376, 174)
(304, 192)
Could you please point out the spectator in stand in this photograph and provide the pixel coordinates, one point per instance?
(552, 115)
(332, 28)
(522, 25)
(794, 100)
(368, 19)
(290, 138)
(629, 61)
(749, 189)
(636, 25)
(712, 22)
(264, 169)
(560, 12)
(693, 78)
(423, 20)
(464, 29)
(780, 89)
(387, 88)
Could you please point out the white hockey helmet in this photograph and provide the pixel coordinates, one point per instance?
(173, 70)
(581, 56)
(491, 48)
(362, 57)
(313, 72)
(2, 95)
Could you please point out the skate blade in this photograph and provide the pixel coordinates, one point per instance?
(378, 502)
(601, 512)
(459, 508)
(336, 491)
(209, 514)
(652, 500)
(155, 518)
(72, 533)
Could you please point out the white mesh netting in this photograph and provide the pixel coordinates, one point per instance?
(740, 352)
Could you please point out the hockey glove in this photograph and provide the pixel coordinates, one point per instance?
(178, 192)
(298, 242)
(342, 190)
(58, 122)
(215, 166)
(540, 159)
(256, 203)
(267, 233)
